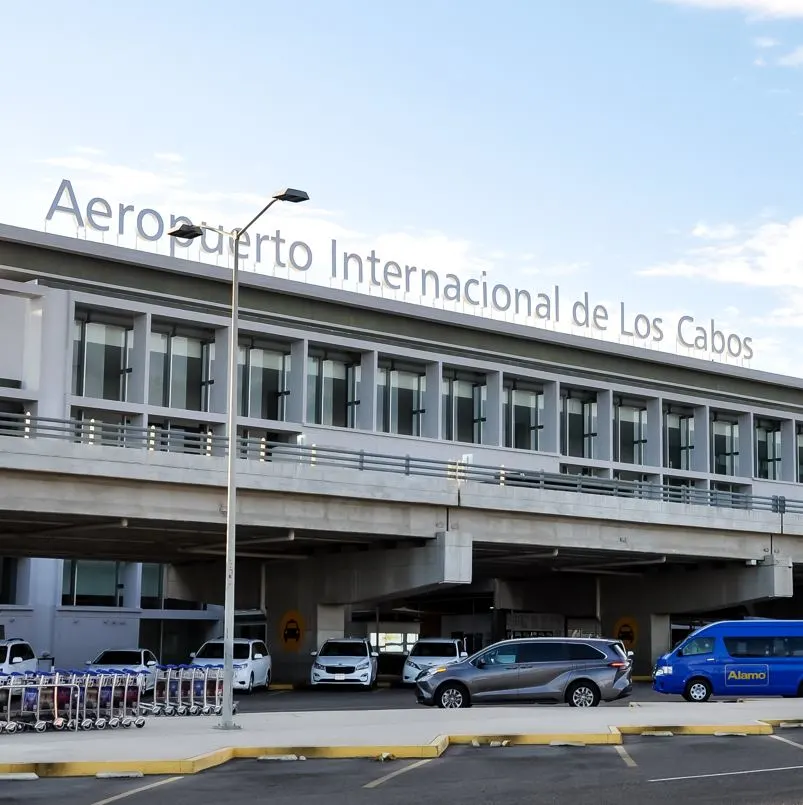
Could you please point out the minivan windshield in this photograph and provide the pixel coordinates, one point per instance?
(214, 651)
(445, 649)
(343, 648)
(119, 658)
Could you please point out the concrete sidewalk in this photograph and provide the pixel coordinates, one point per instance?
(182, 745)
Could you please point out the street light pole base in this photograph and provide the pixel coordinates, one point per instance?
(227, 725)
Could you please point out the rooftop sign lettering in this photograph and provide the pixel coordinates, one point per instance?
(369, 270)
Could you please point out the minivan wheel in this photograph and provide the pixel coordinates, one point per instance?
(697, 690)
(583, 694)
(452, 697)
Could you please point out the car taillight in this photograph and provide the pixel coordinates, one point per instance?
(617, 664)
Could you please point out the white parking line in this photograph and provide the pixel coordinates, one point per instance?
(724, 774)
(625, 755)
(139, 790)
(411, 767)
(787, 741)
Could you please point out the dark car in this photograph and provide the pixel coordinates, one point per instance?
(292, 631)
(579, 671)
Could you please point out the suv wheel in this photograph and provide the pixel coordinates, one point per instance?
(583, 694)
(698, 690)
(452, 697)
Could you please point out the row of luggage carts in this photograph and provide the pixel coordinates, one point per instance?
(185, 690)
(70, 700)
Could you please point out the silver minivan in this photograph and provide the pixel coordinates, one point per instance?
(579, 671)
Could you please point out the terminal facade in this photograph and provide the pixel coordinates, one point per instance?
(553, 484)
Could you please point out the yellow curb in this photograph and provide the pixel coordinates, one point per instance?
(641, 678)
(755, 728)
(280, 687)
(434, 749)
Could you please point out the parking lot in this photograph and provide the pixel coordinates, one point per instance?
(766, 770)
(379, 699)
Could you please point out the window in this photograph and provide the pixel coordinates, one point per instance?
(152, 586)
(400, 401)
(263, 378)
(725, 447)
(343, 648)
(678, 441)
(700, 645)
(502, 655)
(333, 392)
(106, 428)
(523, 413)
(463, 409)
(214, 651)
(435, 650)
(178, 437)
(757, 647)
(181, 372)
(86, 582)
(8, 580)
(768, 450)
(578, 424)
(260, 648)
(102, 360)
(583, 652)
(124, 658)
(21, 651)
(544, 652)
(629, 434)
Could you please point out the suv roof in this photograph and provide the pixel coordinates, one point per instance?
(438, 640)
(9, 640)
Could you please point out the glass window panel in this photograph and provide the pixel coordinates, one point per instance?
(77, 357)
(157, 380)
(334, 395)
(186, 373)
(464, 411)
(725, 447)
(105, 358)
(313, 389)
(266, 384)
(382, 401)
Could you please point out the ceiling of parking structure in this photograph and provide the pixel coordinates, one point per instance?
(517, 561)
(164, 541)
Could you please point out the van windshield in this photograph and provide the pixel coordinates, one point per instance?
(214, 651)
(444, 649)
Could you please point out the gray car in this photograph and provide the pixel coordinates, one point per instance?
(579, 671)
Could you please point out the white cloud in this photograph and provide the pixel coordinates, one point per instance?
(759, 63)
(88, 151)
(779, 9)
(770, 255)
(167, 156)
(717, 232)
(765, 42)
(793, 59)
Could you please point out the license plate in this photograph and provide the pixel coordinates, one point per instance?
(339, 677)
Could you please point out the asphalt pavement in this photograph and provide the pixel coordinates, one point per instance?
(283, 701)
(766, 770)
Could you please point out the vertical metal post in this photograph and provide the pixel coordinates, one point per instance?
(227, 715)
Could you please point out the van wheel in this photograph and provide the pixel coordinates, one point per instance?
(452, 696)
(697, 690)
(583, 694)
(251, 684)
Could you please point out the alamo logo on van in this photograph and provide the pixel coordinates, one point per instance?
(747, 675)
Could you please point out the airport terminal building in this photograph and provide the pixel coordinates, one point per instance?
(403, 470)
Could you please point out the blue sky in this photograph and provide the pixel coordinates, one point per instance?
(644, 151)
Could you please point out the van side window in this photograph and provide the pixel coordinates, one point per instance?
(764, 646)
(543, 652)
(700, 645)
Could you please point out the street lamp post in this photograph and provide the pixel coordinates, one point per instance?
(189, 232)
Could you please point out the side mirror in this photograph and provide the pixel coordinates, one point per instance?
(17, 660)
(151, 663)
(313, 653)
(258, 656)
(464, 654)
(192, 655)
(630, 655)
(88, 662)
(374, 653)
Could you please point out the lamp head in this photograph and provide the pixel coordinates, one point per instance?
(291, 195)
(185, 232)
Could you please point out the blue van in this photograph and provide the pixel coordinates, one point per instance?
(735, 658)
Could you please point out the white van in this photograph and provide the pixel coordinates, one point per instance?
(429, 651)
(252, 662)
(17, 657)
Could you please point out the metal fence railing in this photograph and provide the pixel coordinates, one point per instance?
(206, 443)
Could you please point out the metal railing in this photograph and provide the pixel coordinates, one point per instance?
(207, 443)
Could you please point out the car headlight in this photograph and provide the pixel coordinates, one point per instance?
(664, 670)
(414, 666)
(363, 665)
(317, 666)
(432, 671)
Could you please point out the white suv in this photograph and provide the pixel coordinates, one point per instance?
(252, 661)
(344, 661)
(139, 660)
(429, 651)
(16, 657)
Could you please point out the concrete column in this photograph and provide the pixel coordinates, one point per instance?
(297, 398)
(48, 352)
(654, 450)
(431, 420)
(39, 587)
(701, 455)
(605, 435)
(493, 431)
(366, 410)
(549, 435)
(789, 450)
(219, 396)
(132, 585)
(747, 446)
(138, 379)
